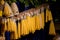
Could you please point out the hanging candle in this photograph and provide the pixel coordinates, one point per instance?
(0, 13)
(42, 15)
(14, 7)
(52, 28)
(7, 33)
(7, 10)
(31, 21)
(1, 7)
(38, 20)
(24, 27)
(14, 25)
(19, 28)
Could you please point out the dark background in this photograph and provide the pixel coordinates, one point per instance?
(55, 8)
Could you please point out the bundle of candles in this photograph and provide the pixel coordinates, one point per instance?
(14, 24)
